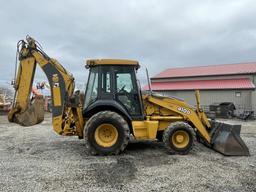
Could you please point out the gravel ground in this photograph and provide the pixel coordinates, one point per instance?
(37, 159)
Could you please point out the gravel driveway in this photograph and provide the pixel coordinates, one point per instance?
(36, 159)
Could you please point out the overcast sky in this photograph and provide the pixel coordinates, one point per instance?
(159, 33)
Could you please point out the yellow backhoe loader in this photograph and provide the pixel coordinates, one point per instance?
(114, 108)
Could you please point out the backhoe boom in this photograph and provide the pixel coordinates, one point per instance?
(67, 117)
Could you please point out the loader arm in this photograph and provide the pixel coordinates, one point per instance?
(185, 111)
(224, 138)
(66, 109)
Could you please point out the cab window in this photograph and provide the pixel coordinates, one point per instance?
(126, 90)
(124, 82)
(92, 88)
(105, 85)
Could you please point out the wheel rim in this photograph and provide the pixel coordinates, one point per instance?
(106, 135)
(180, 139)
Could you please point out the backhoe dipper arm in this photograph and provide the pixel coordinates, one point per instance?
(66, 108)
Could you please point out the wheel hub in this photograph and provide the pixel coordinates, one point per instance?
(106, 135)
(180, 139)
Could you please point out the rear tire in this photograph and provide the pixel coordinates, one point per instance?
(178, 138)
(106, 133)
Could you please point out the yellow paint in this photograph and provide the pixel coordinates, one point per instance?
(81, 122)
(163, 125)
(41, 60)
(140, 130)
(166, 118)
(145, 129)
(57, 124)
(180, 139)
(197, 94)
(94, 62)
(189, 114)
(24, 82)
(56, 96)
(106, 135)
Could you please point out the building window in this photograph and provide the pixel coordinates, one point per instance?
(238, 94)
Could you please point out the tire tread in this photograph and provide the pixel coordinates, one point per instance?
(167, 133)
(107, 115)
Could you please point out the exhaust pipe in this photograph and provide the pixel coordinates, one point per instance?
(226, 139)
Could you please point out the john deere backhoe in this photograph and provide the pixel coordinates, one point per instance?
(115, 108)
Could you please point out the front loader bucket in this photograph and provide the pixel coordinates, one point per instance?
(33, 115)
(226, 139)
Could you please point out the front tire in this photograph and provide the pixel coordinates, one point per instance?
(106, 133)
(178, 138)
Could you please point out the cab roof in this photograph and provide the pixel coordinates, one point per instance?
(95, 62)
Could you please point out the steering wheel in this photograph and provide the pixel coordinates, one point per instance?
(122, 89)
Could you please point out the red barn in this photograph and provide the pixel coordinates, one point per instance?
(217, 83)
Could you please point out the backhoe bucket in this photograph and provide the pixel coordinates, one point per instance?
(226, 139)
(33, 115)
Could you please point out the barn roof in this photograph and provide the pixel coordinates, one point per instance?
(212, 70)
(215, 84)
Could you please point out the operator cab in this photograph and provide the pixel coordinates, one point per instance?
(112, 85)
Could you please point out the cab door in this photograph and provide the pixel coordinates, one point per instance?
(126, 90)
